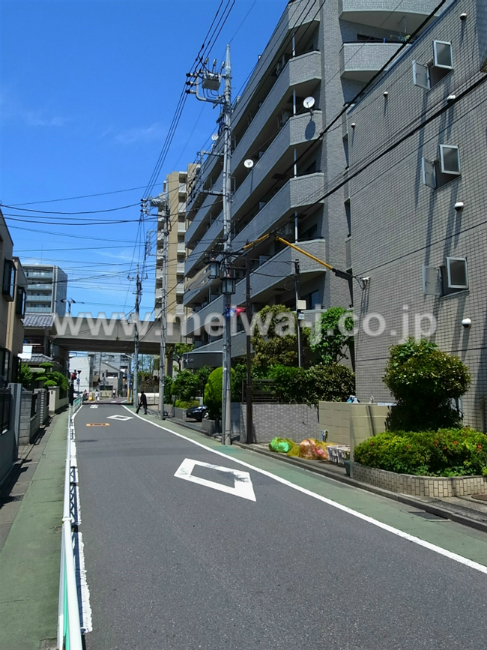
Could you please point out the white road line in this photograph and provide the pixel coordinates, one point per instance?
(390, 529)
(242, 483)
(81, 581)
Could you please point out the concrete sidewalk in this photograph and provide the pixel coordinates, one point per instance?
(30, 555)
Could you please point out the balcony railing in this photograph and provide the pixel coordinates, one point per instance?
(268, 276)
(301, 73)
(361, 61)
(407, 16)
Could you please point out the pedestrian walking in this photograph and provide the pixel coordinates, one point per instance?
(97, 395)
(142, 402)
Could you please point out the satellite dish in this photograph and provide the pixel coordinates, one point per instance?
(249, 163)
(309, 102)
(214, 137)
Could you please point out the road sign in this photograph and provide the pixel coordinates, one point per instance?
(242, 484)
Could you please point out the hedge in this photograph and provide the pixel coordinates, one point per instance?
(446, 452)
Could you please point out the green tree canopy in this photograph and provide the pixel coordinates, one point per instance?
(185, 386)
(277, 343)
(424, 380)
(332, 336)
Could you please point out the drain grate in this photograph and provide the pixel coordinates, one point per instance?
(428, 515)
(17, 497)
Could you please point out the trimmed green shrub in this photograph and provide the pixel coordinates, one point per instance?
(446, 452)
(213, 392)
(424, 380)
(290, 384)
(186, 404)
(330, 383)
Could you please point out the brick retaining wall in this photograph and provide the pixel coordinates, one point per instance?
(420, 486)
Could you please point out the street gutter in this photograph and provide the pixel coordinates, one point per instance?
(433, 508)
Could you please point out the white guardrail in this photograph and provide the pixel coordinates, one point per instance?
(69, 621)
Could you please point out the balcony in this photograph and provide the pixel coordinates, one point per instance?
(302, 74)
(180, 268)
(181, 247)
(206, 242)
(179, 310)
(384, 15)
(269, 278)
(202, 217)
(297, 193)
(361, 61)
(181, 226)
(296, 133)
(180, 288)
(182, 207)
(297, 17)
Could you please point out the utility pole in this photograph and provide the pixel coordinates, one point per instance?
(163, 202)
(136, 338)
(296, 287)
(248, 396)
(210, 81)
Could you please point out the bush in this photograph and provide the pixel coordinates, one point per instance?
(330, 383)
(213, 392)
(446, 452)
(185, 386)
(186, 404)
(290, 385)
(424, 380)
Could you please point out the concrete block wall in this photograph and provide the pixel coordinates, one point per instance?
(351, 424)
(294, 421)
(29, 426)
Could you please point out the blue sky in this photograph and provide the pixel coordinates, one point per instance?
(87, 93)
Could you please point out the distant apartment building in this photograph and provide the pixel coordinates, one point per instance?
(176, 188)
(418, 203)
(327, 52)
(47, 287)
(12, 305)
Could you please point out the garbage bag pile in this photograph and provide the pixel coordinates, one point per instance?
(310, 448)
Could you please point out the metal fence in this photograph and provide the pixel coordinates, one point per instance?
(69, 620)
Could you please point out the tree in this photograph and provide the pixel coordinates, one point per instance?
(290, 385)
(179, 350)
(424, 380)
(26, 375)
(202, 374)
(333, 335)
(330, 383)
(276, 343)
(185, 386)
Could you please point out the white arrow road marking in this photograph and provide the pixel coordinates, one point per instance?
(93, 406)
(122, 418)
(243, 485)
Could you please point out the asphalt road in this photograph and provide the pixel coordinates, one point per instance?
(173, 564)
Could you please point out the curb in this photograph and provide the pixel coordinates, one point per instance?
(433, 509)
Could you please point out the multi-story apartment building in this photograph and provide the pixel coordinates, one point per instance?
(417, 202)
(47, 287)
(327, 51)
(12, 305)
(176, 188)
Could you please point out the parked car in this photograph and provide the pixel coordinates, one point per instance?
(197, 413)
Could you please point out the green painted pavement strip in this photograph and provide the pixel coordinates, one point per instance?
(467, 542)
(30, 558)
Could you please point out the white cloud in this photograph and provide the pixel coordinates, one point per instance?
(140, 134)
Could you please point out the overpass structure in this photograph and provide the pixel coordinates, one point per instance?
(114, 334)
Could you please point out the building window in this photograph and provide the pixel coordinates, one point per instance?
(8, 287)
(427, 75)
(444, 169)
(20, 302)
(456, 274)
